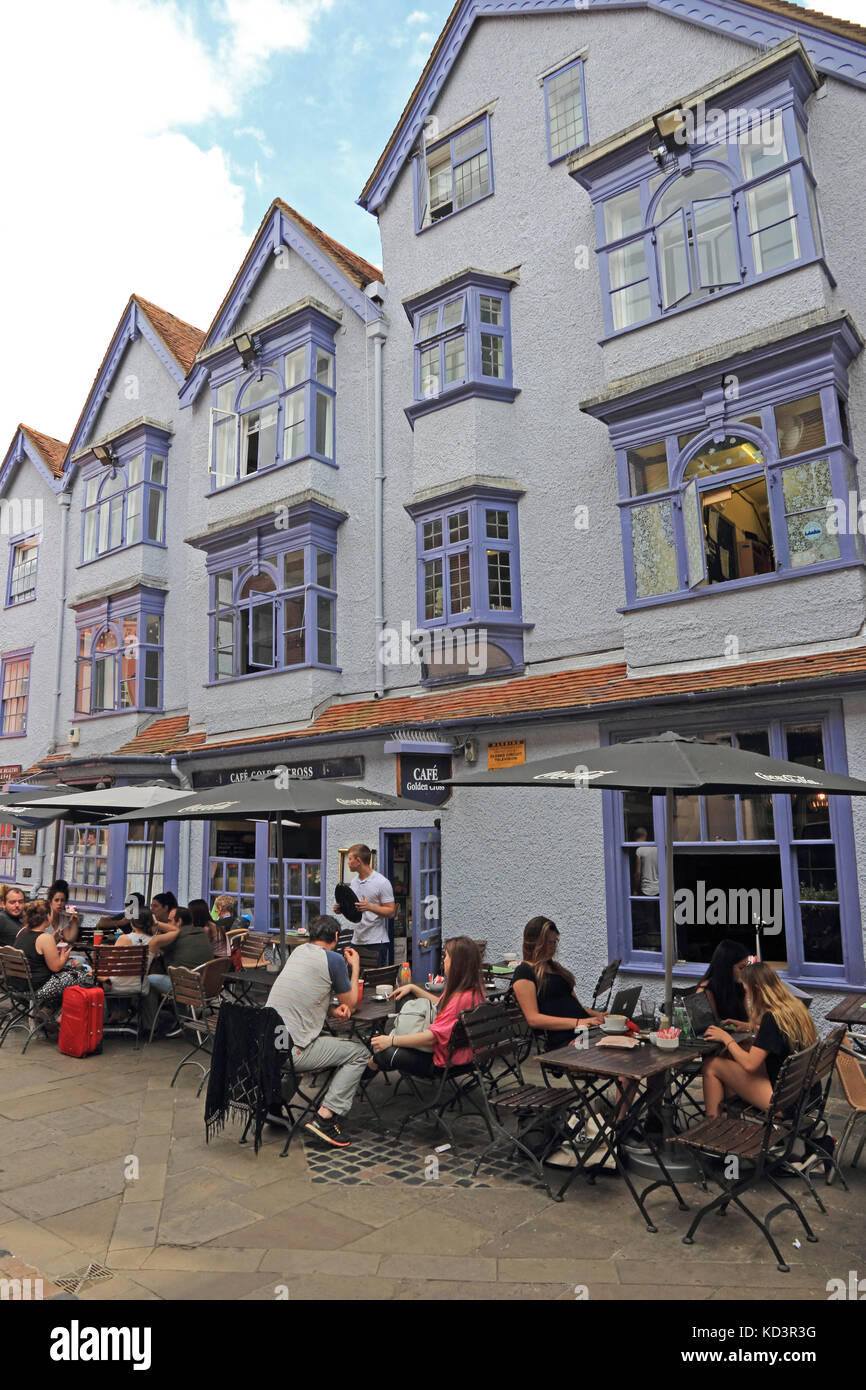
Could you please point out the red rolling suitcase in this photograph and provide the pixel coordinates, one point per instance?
(81, 1021)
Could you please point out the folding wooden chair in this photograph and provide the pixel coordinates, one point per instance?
(195, 995)
(814, 1130)
(253, 948)
(762, 1149)
(380, 975)
(25, 1010)
(452, 1085)
(852, 1076)
(120, 973)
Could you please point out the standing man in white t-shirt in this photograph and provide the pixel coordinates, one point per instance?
(375, 902)
(646, 865)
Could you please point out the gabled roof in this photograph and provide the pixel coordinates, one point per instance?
(836, 47)
(45, 453)
(51, 451)
(174, 342)
(345, 272)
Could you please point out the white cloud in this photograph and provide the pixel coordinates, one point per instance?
(111, 196)
(418, 17)
(258, 135)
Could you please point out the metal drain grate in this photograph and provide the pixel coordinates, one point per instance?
(93, 1274)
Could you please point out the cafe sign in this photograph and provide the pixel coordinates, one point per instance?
(310, 771)
(10, 773)
(423, 776)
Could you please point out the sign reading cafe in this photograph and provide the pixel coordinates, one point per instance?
(422, 776)
(308, 771)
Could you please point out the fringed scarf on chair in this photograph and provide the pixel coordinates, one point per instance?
(244, 1082)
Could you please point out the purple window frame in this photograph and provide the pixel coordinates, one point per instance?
(115, 879)
(108, 614)
(759, 394)
(419, 171)
(506, 626)
(24, 655)
(471, 287)
(314, 333)
(262, 897)
(546, 80)
(808, 973)
(8, 875)
(13, 547)
(150, 443)
(264, 553)
(784, 98)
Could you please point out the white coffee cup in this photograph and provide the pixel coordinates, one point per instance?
(615, 1023)
(383, 991)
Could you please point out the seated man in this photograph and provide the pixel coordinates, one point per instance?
(11, 920)
(179, 943)
(301, 995)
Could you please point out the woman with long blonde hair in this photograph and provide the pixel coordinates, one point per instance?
(780, 1025)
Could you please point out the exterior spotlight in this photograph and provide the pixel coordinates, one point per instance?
(671, 129)
(103, 453)
(244, 344)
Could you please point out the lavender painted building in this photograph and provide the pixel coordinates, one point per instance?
(580, 462)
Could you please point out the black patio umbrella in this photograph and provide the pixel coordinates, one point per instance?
(276, 798)
(663, 765)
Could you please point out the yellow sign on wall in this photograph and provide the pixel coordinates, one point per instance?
(508, 753)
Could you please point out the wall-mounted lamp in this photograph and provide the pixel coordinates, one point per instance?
(671, 130)
(245, 346)
(103, 453)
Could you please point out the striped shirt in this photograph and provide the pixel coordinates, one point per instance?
(301, 993)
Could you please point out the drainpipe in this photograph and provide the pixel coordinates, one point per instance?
(64, 499)
(378, 331)
(183, 835)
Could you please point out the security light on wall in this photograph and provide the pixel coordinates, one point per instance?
(670, 127)
(103, 453)
(245, 346)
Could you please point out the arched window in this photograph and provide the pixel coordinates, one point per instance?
(258, 623)
(119, 661)
(258, 409)
(695, 236)
(105, 671)
(726, 511)
(125, 506)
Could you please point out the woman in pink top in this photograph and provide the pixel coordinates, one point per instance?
(420, 1053)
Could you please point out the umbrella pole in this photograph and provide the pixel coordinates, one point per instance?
(670, 938)
(150, 868)
(279, 834)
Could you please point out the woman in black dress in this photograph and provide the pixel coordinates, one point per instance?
(781, 1024)
(544, 989)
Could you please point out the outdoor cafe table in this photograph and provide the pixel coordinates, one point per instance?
(851, 1010)
(590, 1070)
(253, 987)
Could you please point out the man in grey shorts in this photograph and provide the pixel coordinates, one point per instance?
(301, 995)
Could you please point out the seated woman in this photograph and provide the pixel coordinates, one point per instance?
(420, 1053)
(50, 970)
(137, 932)
(722, 983)
(58, 913)
(544, 989)
(781, 1025)
(216, 929)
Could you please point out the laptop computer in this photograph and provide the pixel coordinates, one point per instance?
(697, 1006)
(625, 1001)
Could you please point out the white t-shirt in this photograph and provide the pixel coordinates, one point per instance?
(648, 859)
(376, 889)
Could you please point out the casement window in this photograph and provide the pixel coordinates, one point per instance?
(23, 559)
(120, 655)
(453, 173)
(716, 493)
(462, 335)
(239, 862)
(139, 853)
(8, 853)
(85, 862)
(14, 690)
(789, 859)
(720, 215)
(469, 580)
(125, 504)
(281, 412)
(565, 109)
(275, 615)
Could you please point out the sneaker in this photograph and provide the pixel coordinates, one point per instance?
(563, 1157)
(328, 1130)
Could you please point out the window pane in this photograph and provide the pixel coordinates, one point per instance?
(800, 426)
(262, 634)
(565, 111)
(453, 313)
(428, 324)
(816, 873)
(497, 525)
(763, 147)
(439, 176)
(455, 359)
(155, 514)
(737, 532)
(223, 587)
(90, 532)
(499, 578)
(324, 569)
(324, 425)
(469, 141)
(637, 809)
(293, 569)
(645, 928)
(152, 629)
(723, 457)
(648, 468)
(654, 550)
(715, 243)
(325, 630)
(133, 516)
(673, 260)
(433, 598)
(810, 810)
(157, 469)
(259, 444)
(471, 180)
(225, 396)
(631, 304)
(115, 522)
(807, 489)
(491, 309)
(756, 811)
(687, 817)
(296, 367)
(622, 215)
(294, 640)
(458, 527)
(135, 470)
(225, 440)
(91, 492)
(293, 436)
(430, 372)
(324, 367)
(458, 581)
(822, 933)
(721, 817)
(492, 355)
(773, 223)
(432, 534)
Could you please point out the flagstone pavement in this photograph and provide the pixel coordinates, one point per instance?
(103, 1164)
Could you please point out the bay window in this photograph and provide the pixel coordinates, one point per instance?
(462, 335)
(125, 504)
(119, 643)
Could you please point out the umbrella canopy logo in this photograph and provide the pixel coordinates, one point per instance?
(583, 774)
(788, 777)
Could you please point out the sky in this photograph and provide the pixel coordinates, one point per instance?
(143, 141)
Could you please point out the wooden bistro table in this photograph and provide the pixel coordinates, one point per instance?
(590, 1070)
(851, 1010)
